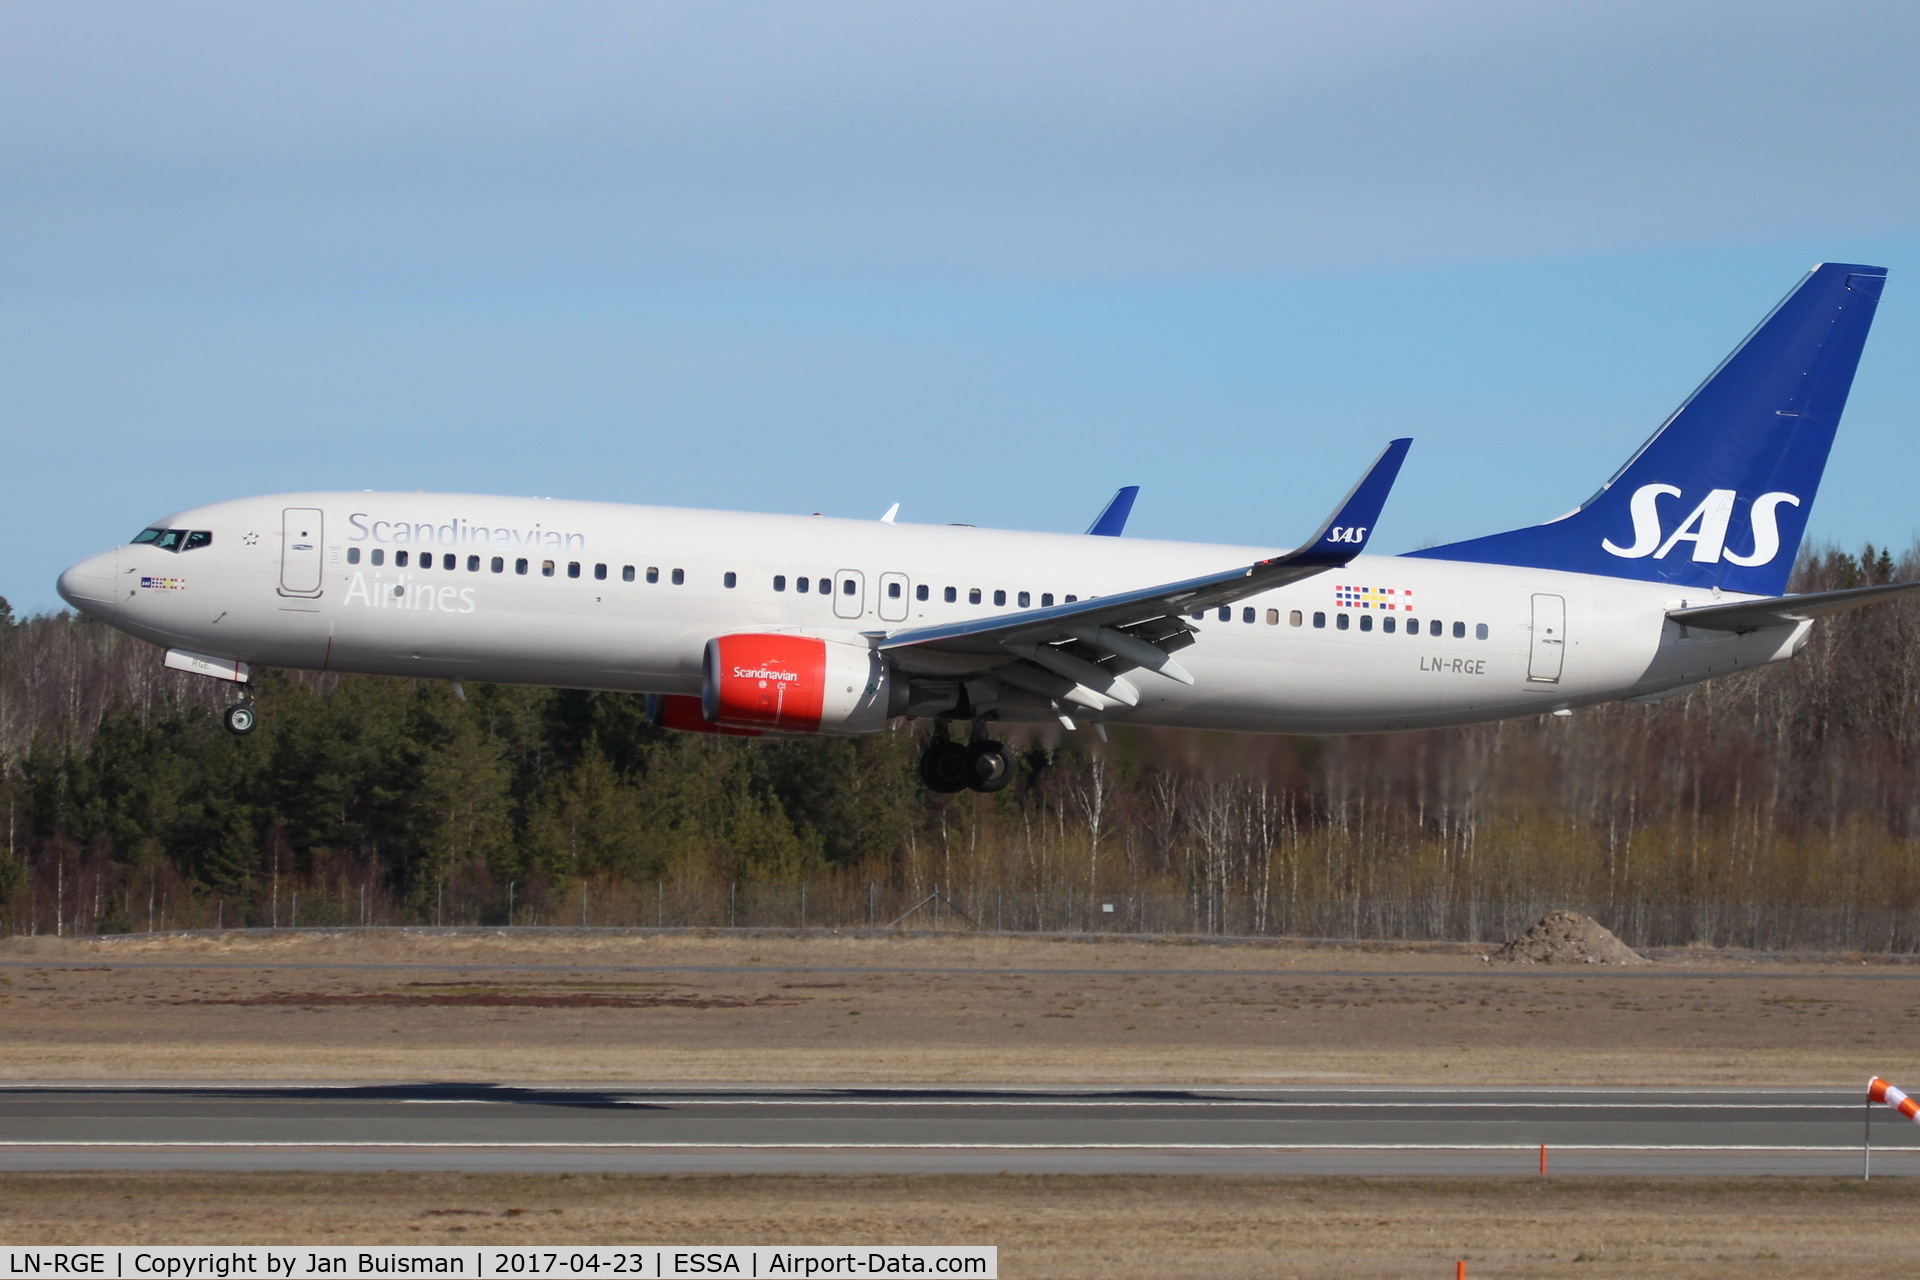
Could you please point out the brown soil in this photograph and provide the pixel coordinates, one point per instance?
(1567, 937)
(555, 1006)
(1117, 1227)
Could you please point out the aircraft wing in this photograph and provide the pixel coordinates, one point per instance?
(1751, 615)
(1079, 652)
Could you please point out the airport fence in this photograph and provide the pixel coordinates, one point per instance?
(1055, 910)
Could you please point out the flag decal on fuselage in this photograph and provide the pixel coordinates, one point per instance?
(1345, 597)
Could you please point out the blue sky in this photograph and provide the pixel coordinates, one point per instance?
(988, 261)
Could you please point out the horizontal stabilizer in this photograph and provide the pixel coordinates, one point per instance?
(1783, 611)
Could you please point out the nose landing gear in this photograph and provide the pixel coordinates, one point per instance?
(240, 719)
(982, 765)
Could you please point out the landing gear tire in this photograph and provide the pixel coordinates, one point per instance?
(989, 766)
(240, 719)
(945, 768)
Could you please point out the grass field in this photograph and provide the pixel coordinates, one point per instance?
(559, 1006)
(563, 1006)
(1118, 1227)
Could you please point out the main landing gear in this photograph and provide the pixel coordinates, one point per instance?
(240, 718)
(981, 765)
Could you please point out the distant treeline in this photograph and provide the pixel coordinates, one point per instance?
(1776, 808)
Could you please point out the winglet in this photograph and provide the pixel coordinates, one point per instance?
(1113, 517)
(1345, 533)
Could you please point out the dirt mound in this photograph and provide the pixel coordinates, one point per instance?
(1567, 937)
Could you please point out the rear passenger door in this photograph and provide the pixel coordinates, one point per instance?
(1549, 649)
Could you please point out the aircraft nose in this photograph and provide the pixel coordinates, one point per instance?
(89, 586)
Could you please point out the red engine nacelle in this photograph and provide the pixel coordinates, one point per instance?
(682, 711)
(796, 684)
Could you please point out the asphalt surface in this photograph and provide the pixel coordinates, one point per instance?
(930, 1129)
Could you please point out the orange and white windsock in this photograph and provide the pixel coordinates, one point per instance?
(1879, 1090)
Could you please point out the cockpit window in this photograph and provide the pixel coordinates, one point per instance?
(175, 540)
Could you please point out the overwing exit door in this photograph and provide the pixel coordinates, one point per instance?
(893, 597)
(849, 593)
(1549, 639)
(301, 532)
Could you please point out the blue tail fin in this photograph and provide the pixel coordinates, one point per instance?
(1719, 497)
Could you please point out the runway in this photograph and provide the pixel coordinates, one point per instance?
(661, 1128)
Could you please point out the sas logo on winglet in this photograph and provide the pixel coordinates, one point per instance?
(1706, 528)
(1354, 533)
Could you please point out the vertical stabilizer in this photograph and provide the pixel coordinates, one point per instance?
(1720, 496)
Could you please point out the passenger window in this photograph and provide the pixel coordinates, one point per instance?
(473, 564)
(952, 595)
(848, 587)
(1387, 625)
(999, 597)
(973, 595)
(779, 582)
(800, 585)
(1046, 599)
(379, 556)
(546, 568)
(679, 577)
(353, 555)
(1226, 613)
(1366, 622)
(452, 561)
(1479, 631)
(599, 573)
(920, 592)
(1200, 616)
(1293, 617)
(893, 591)
(197, 539)
(626, 574)
(1071, 599)
(400, 559)
(653, 573)
(1024, 599)
(573, 568)
(499, 564)
(731, 580)
(1459, 631)
(1246, 615)
(1319, 619)
(1340, 622)
(520, 565)
(1433, 626)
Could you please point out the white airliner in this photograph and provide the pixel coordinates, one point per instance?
(1672, 573)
